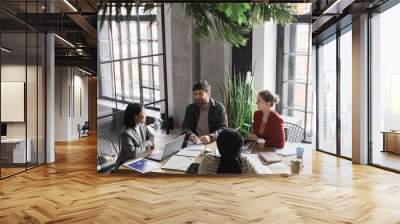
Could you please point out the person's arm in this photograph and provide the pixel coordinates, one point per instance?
(149, 138)
(209, 164)
(253, 135)
(277, 140)
(247, 166)
(131, 150)
(187, 121)
(222, 122)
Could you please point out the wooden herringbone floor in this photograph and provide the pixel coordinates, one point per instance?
(70, 191)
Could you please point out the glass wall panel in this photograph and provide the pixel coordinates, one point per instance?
(14, 146)
(22, 90)
(385, 89)
(327, 96)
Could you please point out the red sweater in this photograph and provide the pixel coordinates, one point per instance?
(274, 133)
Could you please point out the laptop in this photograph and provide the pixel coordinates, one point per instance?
(165, 151)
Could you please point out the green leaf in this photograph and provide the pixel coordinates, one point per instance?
(229, 22)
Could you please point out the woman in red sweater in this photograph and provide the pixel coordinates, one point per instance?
(267, 123)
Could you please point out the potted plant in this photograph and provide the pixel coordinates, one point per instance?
(238, 97)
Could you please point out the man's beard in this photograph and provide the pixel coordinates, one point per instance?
(201, 102)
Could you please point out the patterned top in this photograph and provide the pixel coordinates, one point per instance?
(210, 162)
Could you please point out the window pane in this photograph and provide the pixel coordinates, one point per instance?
(327, 97)
(299, 40)
(346, 94)
(106, 88)
(295, 67)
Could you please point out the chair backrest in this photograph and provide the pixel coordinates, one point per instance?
(106, 150)
(294, 133)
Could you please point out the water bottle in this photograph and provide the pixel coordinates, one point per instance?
(299, 152)
(156, 126)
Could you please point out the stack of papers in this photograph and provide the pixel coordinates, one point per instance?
(142, 165)
(199, 147)
(178, 163)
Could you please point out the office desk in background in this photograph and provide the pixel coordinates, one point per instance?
(13, 150)
(391, 141)
(276, 168)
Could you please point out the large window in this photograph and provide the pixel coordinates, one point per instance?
(327, 96)
(346, 92)
(334, 62)
(385, 88)
(130, 56)
(297, 94)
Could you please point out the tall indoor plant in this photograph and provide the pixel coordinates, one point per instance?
(229, 22)
(238, 97)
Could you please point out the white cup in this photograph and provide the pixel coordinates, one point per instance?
(295, 166)
(260, 143)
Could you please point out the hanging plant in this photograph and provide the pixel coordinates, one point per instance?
(229, 22)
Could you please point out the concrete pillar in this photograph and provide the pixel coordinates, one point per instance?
(215, 61)
(179, 41)
(50, 98)
(360, 90)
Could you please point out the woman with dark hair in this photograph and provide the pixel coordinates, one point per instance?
(267, 123)
(229, 143)
(136, 139)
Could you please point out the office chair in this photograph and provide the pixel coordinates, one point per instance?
(84, 129)
(294, 133)
(107, 153)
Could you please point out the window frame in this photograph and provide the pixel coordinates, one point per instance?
(124, 20)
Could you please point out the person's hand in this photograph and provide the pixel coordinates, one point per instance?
(148, 151)
(252, 137)
(193, 138)
(205, 139)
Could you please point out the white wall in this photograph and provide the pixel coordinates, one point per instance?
(264, 56)
(33, 126)
(70, 83)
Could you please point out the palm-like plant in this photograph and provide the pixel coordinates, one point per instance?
(229, 22)
(238, 96)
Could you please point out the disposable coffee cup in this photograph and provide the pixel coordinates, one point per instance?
(260, 143)
(295, 166)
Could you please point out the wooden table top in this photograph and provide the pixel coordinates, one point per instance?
(282, 168)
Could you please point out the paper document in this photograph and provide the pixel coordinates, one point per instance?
(190, 153)
(194, 148)
(179, 163)
(289, 150)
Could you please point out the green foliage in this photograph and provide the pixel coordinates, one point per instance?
(239, 98)
(229, 22)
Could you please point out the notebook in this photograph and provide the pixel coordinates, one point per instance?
(142, 165)
(289, 150)
(178, 163)
(269, 157)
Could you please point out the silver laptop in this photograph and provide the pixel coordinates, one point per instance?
(164, 152)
